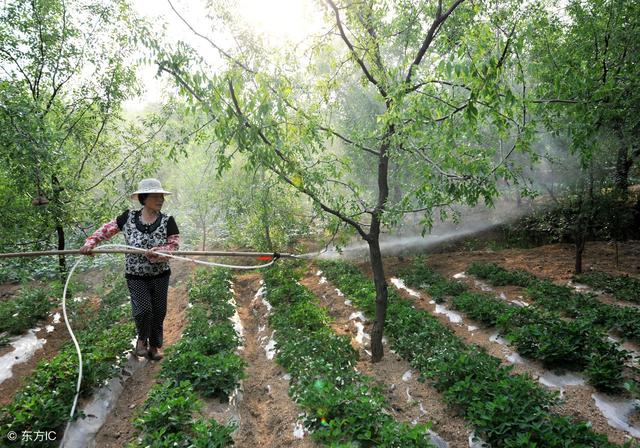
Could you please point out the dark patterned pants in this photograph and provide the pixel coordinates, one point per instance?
(149, 307)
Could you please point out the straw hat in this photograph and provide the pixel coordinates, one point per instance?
(148, 186)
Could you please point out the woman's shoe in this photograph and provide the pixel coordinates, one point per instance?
(141, 348)
(153, 354)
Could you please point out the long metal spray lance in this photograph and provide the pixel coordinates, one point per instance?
(180, 253)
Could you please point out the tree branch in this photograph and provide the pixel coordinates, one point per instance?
(504, 159)
(358, 59)
(503, 56)
(346, 140)
(422, 153)
(365, 208)
(437, 22)
(457, 109)
(213, 44)
(133, 151)
(20, 69)
(162, 67)
(368, 26)
(56, 88)
(93, 146)
(40, 69)
(435, 81)
(555, 100)
(245, 122)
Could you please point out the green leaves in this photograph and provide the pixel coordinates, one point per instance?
(540, 333)
(342, 407)
(209, 341)
(587, 59)
(622, 287)
(167, 420)
(66, 74)
(203, 361)
(22, 312)
(500, 405)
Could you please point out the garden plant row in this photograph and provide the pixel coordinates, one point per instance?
(536, 333)
(30, 305)
(622, 287)
(563, 299)
(24, 311)
(202, 363)
(44, 402)
(343, 407)
(506, 410)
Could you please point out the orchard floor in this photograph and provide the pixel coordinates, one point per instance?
(554, 262)
(266, 415)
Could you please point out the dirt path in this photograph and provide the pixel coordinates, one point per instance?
(118, 430)
(267, 414)
(554, 261)
(411, 400)
(577, 402)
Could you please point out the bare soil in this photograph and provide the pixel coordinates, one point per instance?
(9, 290)
(267, 414)
(553, 261)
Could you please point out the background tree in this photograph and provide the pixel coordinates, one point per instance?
(65, 73)
(585, 64)
(260, 212)
(237, 207)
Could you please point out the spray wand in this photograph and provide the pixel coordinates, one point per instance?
(134, 250)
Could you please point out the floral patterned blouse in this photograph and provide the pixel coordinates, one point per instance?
(161, 235)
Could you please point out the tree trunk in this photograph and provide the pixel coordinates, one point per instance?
(57, 212)
(623, 165)
(580, 243)
(204, 237)
(584, 220)
(265, 209)
(375, 258)
(62, 263)
(267, 236)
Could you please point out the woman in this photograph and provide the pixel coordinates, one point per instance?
(147, 274)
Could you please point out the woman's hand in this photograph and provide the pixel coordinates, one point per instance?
(87, 250)
(155, 257)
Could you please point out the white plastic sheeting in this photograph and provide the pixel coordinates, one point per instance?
(23, 349)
